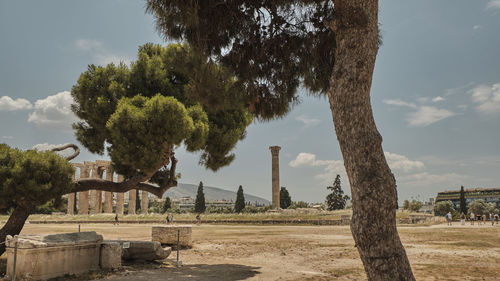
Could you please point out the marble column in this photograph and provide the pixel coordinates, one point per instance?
(144, 202)
(83, 197)
(275, 150)
(71, 201)
(108, 196)
(94, 194)
(132, 197)
(120, 198)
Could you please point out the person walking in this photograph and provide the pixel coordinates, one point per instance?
(492, 219)
(198, 219)
(462, 218)
(168, 218)
(496, 218)
(472, 218)
(116, 220)
(448, 218)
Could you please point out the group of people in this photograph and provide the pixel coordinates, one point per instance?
(472, 217)
(170, 218)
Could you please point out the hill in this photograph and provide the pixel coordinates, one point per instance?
(211, 193)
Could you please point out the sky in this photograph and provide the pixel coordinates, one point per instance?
(435, 95)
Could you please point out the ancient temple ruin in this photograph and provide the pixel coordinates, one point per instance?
(91, 202)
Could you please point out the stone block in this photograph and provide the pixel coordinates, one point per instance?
(111, 255)
(167, 235)
(49, 256)
(143, 250)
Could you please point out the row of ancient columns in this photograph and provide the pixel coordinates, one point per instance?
(96, 170)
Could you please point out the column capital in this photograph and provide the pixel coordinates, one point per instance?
(275, 150)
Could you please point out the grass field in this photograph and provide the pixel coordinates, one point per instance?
(246, 252)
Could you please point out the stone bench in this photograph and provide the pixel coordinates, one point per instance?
(167, 235)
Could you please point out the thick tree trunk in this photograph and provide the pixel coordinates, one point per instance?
(14, 225)
(373, 186)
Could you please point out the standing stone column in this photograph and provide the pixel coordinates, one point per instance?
(144, 202)
(83, 197)
(71, 201)
(108, 196)
(275, 150)
(120, 198)
(94, 194)
(132, 197)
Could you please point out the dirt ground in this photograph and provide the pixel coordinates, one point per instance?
(247, 252)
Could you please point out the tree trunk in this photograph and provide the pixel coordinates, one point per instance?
(14, 225)
(373, 186)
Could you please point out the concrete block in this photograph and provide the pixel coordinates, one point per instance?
(111, 255)
(167, 235)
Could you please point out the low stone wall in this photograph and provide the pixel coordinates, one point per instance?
(167, 235)
(45, 257)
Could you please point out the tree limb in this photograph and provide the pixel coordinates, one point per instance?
(66, 146)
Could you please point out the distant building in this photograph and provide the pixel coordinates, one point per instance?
(486, 194)
(186, 203)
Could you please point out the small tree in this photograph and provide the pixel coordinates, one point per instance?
(285, 199)
(415, 205)
(167, 205)
(463, 203)
(477, 207)
(443, 207)
(406, 205)
(29, 179)
(336, 200)
(199, 205)
(239, 205)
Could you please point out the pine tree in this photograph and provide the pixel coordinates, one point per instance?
(239, 205)
(463, 203)
(199, 205)
(167, 205)
(285, 199)
(336, 200)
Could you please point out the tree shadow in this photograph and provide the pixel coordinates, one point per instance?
(220, 272)
(202, 272)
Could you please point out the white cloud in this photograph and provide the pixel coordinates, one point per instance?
(88, 45)
(487, 98)
(308, 122)
(7, 137)
(398, 102)
(9, 104)
(438, 99)
(331, 168)
(477, 27)
(402, 163)
(427, 115)
(426, 179)
(458, 90)
(100, 54)
(493, 4)
(54, 112)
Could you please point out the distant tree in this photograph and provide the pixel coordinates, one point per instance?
(336, 200)
(299, 204)
(239, 205)
(285, 199)
(29, 179)
(463, 203)
(199, 205)
(167, 205)
(491, 207)
(406, 205)
(441, 208)
(415, 205)
(478, 207)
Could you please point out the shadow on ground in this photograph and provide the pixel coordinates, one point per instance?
(208, 272)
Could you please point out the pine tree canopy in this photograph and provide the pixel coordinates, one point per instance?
(168, 97)
(32, 178)
(270, 46)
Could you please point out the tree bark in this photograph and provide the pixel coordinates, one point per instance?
(14, 225)
(373, 186)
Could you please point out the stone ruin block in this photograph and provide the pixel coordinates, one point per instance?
(167, 235)
(142, 250)
(49, 256)
(111, 255)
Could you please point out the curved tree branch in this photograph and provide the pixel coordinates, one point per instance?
(66, 146)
